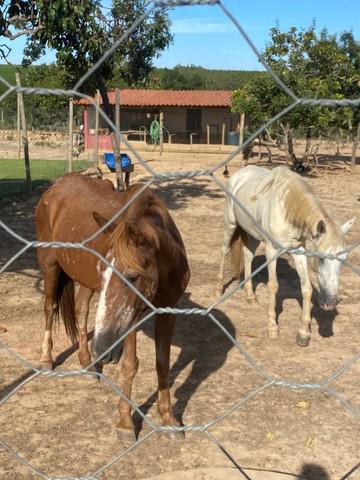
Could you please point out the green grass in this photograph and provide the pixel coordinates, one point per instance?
(12, 174)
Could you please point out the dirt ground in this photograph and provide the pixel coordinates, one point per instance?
(65, 427)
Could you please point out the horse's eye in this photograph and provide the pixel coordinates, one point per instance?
(132, 276)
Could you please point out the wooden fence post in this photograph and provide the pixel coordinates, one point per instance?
(241, 132)
(116, 143)
(223, 134)
(97, 128)
(24, 135)
(18, 125)
(161, 138)
(71, 128)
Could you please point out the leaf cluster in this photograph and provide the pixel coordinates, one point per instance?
(312, 65)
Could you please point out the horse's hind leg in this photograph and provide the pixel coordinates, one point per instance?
(230, 228)
(250, 246)
(164, 328)
(51, 276)
(83, 298)
(129, 366)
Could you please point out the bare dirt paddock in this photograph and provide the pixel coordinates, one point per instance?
(64, 427)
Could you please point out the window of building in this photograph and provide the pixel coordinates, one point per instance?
(193, 120)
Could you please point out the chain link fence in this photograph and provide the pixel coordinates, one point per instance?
(268, 380)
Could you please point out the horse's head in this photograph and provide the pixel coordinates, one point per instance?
(329, 241)
(132, 251)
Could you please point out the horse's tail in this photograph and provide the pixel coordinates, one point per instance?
(65, 300)
(237, 252)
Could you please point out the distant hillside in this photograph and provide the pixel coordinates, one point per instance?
(7, 72)
(177, 78)
(50, 111)
(193, 77)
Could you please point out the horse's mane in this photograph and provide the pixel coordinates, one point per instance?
(302, 207)
(146, 225)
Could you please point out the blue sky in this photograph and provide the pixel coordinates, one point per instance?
(205, 36)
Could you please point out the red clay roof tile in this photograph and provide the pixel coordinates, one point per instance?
(171, 98)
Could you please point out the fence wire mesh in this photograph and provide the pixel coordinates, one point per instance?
(268, 380)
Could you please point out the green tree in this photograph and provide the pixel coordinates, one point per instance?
(177, 79)
(82, 32)
(313, 66)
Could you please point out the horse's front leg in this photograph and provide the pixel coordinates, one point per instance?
(301, 265)
(83, 298)
(164, 328)
(273, 285)
(129, 367)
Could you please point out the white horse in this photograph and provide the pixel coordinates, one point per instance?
(286, 208)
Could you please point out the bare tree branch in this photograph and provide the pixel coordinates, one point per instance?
(26, 31)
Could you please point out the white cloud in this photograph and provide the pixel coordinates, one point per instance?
(191, 26)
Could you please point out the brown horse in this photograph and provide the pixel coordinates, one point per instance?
(143, 244)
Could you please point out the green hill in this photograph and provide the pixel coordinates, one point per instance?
(7, 72)
(194, 77)
(178, 78)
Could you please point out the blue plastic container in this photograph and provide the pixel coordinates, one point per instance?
(233, 138)
(109, 160)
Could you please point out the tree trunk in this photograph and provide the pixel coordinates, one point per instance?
(355, 146)
(307, 143)
(338, 140)
(290, 154)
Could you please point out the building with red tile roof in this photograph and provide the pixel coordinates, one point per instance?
(187, 116)
(170, 98)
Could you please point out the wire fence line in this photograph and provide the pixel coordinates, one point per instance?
(269, 380)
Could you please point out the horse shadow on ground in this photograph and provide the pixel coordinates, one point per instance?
(59, 360)
(180, 194)
(289, 288)
(312, 471)
(202, 345)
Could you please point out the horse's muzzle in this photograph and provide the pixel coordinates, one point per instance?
(331, 305)
(102, 342)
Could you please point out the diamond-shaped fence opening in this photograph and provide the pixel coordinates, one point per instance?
(268, 380)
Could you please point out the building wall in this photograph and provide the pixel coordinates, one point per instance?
(175, 120)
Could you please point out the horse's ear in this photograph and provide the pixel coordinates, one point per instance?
(140, 233)
(101, 221)
(320, 230)
(345, 227)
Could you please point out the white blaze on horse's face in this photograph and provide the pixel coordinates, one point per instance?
(328, 271)
(114, 314)
(119, 306)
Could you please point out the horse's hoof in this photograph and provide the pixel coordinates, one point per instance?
(252, 300)
(46, 365)
(84, 360)
(302, 341)
(218, 291)
(273, 333)
(126, 435)
(175, 435)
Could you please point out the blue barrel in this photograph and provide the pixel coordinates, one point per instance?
(233, 138)
(109, 160)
